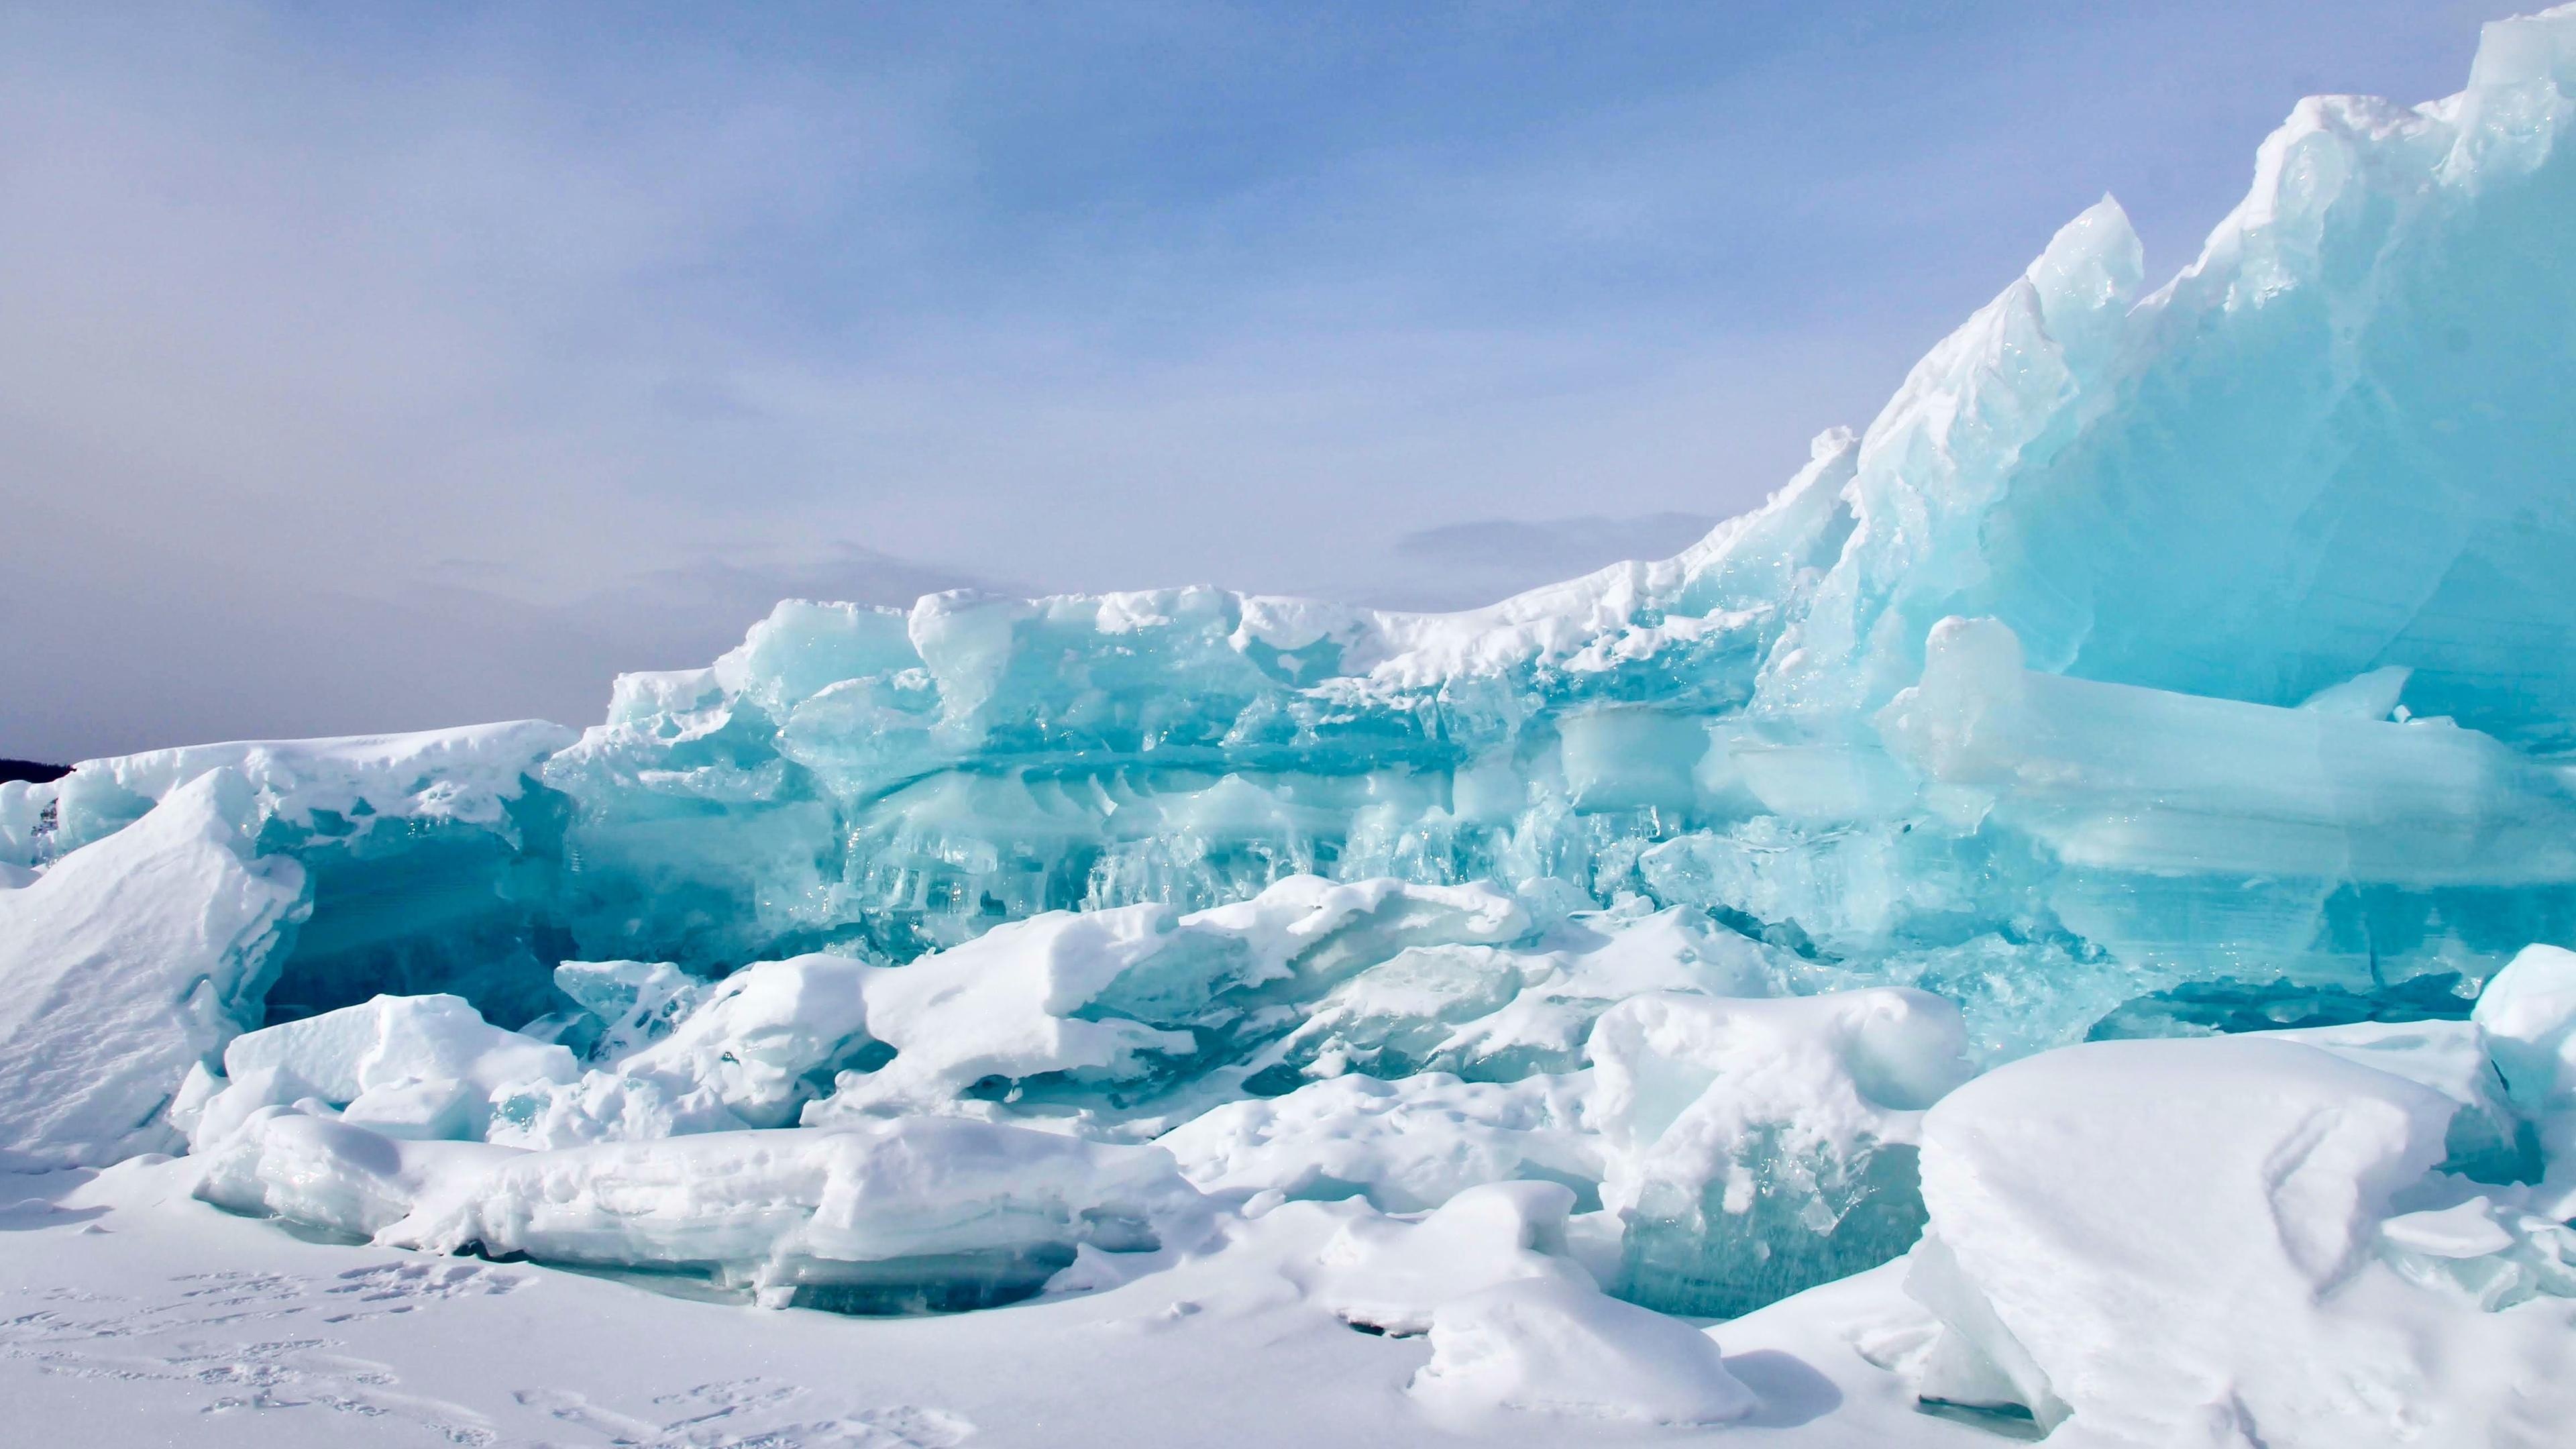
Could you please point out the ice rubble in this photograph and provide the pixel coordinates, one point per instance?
(1758, 1147)
(2156, 664)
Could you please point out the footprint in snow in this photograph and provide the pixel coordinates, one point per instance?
(752, 1414)
(405, 1286)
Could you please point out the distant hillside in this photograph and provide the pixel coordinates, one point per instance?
(31, 770)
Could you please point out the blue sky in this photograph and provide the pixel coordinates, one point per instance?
(368, 367)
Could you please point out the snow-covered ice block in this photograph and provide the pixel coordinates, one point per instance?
(686, 1056)
(432, 858)
(2177, 1243)
(129, 962)
(1106, 1011)
(1006, 1005)
(1757, 1147)
(2498, 1253)
(1499, 1012)
(324, 1172)
(1553, 1346)
(763, 1040)
(407, 1066)
(1405, 1145)
(603, 1107)
(624, 1006)
(1306, 932)
(917, 1213)
(2528, 1014)
(391, 1041)
(357, 782)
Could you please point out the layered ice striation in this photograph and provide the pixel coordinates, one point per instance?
(2157, 664)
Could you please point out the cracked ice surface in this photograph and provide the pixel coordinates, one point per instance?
(1766, 932)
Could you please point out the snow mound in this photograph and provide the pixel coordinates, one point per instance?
(2231, 1241)
(1545, 1346)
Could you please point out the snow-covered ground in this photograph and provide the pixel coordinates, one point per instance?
(133, 1314)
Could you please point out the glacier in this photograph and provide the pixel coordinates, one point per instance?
(2091, 850)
